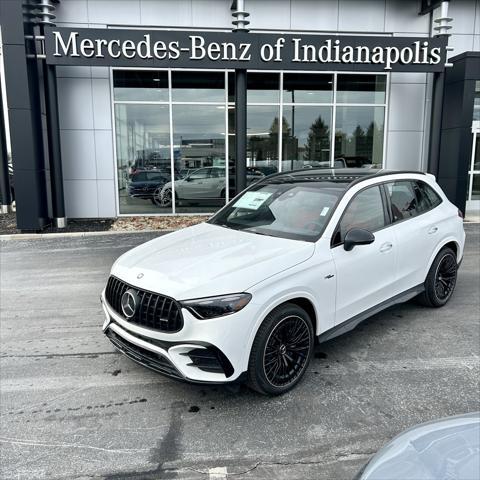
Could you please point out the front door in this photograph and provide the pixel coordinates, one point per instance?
(366, 274)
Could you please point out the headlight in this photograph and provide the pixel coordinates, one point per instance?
(211, 307)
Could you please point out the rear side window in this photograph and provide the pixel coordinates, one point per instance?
(409, 198)
(364, 211)
(429, 197)
(403, 199)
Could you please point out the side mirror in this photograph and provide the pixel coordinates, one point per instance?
(357, 236)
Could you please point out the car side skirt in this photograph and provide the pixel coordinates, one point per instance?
(350, 324)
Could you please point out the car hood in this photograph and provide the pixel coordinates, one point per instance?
(206, 260)
(446, 448)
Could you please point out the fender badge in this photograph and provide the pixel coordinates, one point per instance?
(140, 275)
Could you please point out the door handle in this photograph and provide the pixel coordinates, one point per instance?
(386, 247)
(433, 230)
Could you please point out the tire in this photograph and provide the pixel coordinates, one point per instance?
(281, 351)
(162, 198)
(441, 280)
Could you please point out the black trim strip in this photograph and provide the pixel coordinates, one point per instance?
(350, 324)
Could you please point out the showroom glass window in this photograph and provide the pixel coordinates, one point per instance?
(169, 126)
(175, 122)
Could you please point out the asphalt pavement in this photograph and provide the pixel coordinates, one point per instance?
(73, 408)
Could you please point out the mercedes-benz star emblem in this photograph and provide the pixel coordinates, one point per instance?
(129, 303)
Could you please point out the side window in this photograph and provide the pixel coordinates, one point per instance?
(423, 201)
(364, 211)
(403, 199)
(199, 174)
(427, 191)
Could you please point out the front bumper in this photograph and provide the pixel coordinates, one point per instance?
(214, 356)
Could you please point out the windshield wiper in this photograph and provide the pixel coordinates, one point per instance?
(257, 233)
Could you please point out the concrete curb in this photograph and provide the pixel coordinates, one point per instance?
(36, 236)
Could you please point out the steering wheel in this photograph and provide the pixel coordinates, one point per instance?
(316, 226)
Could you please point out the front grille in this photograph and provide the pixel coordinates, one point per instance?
(154, 311)
(145, 357)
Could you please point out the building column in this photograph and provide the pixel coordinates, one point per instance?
(240, 130)
(54, 150)
(24, 114)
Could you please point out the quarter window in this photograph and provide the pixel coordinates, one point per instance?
(431, 197)
(402, 199)
(411, 198)
(364, 211)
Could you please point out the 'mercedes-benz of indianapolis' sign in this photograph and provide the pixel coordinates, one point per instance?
(192, 49)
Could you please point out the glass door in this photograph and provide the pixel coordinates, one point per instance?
(473, 192)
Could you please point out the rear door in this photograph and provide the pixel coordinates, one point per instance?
(366, 274)
(418, 225)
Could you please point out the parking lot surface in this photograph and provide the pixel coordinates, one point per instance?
(71, 407)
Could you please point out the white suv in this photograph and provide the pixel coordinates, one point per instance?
(298, 255)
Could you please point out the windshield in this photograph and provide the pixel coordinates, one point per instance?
(293, 209)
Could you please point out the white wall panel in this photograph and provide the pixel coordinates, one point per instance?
(75, 103)
(361, 15)
(404, 150)
(106, 192)
(164, 13)
(104, 154)
(477, 18)
(100, 72)
(403, 17)
(72, 11)
(81, 198)
(308, 15)
(114, 12)
(463, 14)
(268, 14)
(408, 77)
(460, 44)
(78, 154)
(212, 13)
(64, 71)
(407, 106)
(102, 114)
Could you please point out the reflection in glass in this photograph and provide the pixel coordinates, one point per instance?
(361, 88)
(359, 136)
(143, 156)
(198, 86)
(262, 137)
(476, 102)
(140, 85)
(261, 88)
(199, 152)
(476, 187)
(307, 88)
(306, 137)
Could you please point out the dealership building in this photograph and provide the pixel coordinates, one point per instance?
(168, 107)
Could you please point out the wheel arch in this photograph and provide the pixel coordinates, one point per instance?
(303, 300)
(448, 242)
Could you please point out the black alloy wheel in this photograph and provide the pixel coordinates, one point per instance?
(446, 277)
(441, 279)
(286, 351)
(281, 350)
